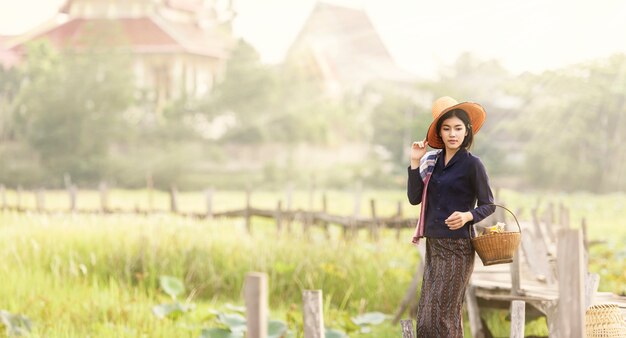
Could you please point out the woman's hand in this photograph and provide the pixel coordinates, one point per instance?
(418, 149)
(458, 219)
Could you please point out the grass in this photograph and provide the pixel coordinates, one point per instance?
(81, 275)
(97, 275)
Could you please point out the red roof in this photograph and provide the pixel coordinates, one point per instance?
(144, 35)
(8, 58)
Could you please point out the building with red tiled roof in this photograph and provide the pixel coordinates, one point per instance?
(341, 47)
(8, 58)
(179, 47)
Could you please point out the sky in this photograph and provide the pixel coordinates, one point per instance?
(529, 35)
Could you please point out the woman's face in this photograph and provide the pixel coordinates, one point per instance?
(453, 132)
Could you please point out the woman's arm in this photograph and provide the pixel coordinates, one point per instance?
(414, 186)
(483, 193)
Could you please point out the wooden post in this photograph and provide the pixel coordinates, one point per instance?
(312, 193)
(104, 197)
(18, 197)
(40, 200)
(570, 261)
(473, 312)
(173, 199)
(564, 216)
(357, 199)
(209, 203)
(255, 294)
(592, 282)
(308, 215)
(374, 227)
(407, 328)
(289, 206)
(72, 191)
(67, 180)
(247, 212)
(583, 226)
(515, 274)
(539, 237)
(324, 211)
(313, 314)
(518, 317)
(150, 190)
(399, 217)
(548, 221)
(3, 197)
(357, 209)
(279, 215)
(537, 258)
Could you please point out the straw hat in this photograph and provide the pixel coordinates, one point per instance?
(445, 104)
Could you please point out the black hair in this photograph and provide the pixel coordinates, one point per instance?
(462, 115)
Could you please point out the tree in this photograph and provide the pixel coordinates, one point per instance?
(397, 121)
(575, 119)
(70, 106)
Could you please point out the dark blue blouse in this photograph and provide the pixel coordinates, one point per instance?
(454, 187)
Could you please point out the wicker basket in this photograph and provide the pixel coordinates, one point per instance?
(604, 320)
(497, 248)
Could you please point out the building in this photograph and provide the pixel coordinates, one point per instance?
(179, 47)
(340, 47)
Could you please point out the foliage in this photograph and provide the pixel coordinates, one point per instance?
(574, 118)
(69, 107)
(399, 121)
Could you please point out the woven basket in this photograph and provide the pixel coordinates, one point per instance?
(497, 248)
(604, 320)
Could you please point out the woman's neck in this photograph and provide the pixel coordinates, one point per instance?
(450, 153)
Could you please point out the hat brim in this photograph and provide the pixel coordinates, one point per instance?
(476, 115)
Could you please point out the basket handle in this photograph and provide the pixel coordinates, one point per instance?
(503, 207)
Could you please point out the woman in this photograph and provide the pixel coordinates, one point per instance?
(453, 188)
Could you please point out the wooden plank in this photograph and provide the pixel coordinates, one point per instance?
(564, 212)
(592, 281)
(540, 237)
(473, 312)
(256, 299)
(516, 281)
(571, 321)
(551, 309)
(407, 328)
(549, 224)
(536, 258)
(312, 312)
(518, 318)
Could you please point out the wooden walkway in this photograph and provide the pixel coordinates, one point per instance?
(534, 278)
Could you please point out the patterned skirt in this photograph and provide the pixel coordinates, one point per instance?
(447, 270)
